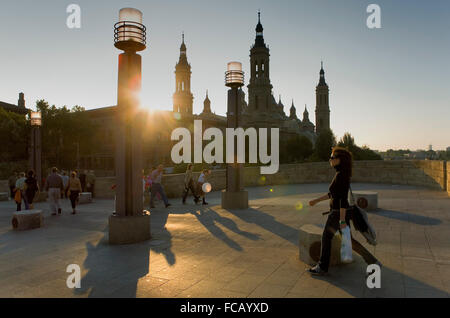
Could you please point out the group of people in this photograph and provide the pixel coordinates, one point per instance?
(152, 185)
(195, 187)
(24, 187)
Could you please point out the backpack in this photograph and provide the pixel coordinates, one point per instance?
(361, 222)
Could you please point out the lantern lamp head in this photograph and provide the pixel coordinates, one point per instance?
(36, 119)
(129, 33)
(234, 76)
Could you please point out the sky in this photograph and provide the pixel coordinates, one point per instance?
(389, 87)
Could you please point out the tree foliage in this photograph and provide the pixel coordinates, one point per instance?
(15, 132)
(66, 133)
(359, 153)
(324, 143)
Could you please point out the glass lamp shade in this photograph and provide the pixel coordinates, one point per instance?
(129, 32)
(234, 76)
(36, 118)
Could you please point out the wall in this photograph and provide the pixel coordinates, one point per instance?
(427, 173)
(448, 177)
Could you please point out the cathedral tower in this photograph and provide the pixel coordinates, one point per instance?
(183, 98)
(259, 90)
(293, 111)
(322, 104)
(207, 105)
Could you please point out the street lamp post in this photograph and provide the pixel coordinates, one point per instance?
(130, 223)
(36, 148)
(234, 196)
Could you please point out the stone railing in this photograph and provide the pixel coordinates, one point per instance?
(427, 173)
(448, 177)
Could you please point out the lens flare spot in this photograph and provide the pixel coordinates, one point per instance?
(271, 190)
(177, 116)
(206, 187)
(299, 206)
(262, 180)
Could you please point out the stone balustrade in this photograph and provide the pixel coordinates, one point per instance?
(432, 174)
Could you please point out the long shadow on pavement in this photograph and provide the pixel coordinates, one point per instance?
(351, 278)
(114, 270)
(208, 218)
(408, 217)
(268, 223)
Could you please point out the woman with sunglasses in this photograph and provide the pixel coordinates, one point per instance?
(341, 160)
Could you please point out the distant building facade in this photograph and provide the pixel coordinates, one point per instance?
(19, 108)
(261, 111)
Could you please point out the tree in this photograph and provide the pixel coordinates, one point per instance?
(64, 131)
(16, 132)
(364, 153)
(297, 148)
(324, 143)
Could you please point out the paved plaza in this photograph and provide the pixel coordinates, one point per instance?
(205, 251)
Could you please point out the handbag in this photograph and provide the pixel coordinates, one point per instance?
(361, 222)
(18, 196)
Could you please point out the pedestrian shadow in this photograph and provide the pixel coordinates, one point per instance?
(209, 219)
(408, 217)
(206, 216)
(267, 222)
(161, 241)
(114, 270)
(351, 278)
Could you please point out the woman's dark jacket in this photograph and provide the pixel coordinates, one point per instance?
(338, 190)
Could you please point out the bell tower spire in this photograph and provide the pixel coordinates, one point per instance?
(183, 98)
(322, 103)
(259, 89)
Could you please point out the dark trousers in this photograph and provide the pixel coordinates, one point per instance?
(330, 229)
(74, 198)
(186, 190)
(24, 199)
(157, 188)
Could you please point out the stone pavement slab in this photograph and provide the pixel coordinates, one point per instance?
(206, 251)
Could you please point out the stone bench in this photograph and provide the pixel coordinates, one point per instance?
(366, 200)
(85, 197)
(27, 220)
(4, 196)
(310, 243)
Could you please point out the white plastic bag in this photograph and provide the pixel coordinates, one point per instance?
(346, 246)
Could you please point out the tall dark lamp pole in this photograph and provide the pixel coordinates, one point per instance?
(234, 196)
(129, 223)
(36, 147)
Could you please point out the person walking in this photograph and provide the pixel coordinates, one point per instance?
(339, 218)
(201, 180)
(12, 184)
(19, 192)
(31, 188)
(189, 184)
(90, 182)
(83, 180)
(157, 187)
(74, 190)
(54, 187)
(65, 179)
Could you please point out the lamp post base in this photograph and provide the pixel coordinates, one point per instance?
(234, 200)
(129, 229)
